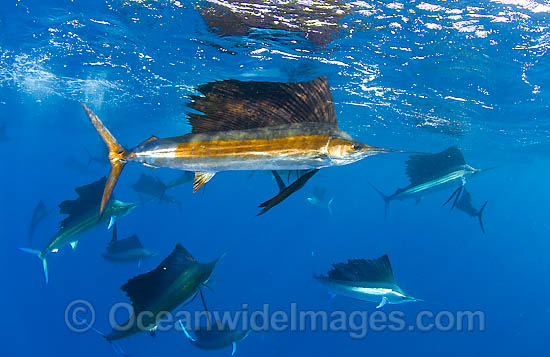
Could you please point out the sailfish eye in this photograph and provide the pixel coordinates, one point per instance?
(357, 147)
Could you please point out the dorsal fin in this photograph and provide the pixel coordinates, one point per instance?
(89, 198)
(423, 168)
(361, 270)
(237, 105)
(124, 245)
(144, 289)
(147, 141)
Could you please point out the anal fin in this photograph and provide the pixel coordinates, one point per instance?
(383, 302)
(201, 178)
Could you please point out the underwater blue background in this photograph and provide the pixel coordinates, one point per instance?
(415, 77)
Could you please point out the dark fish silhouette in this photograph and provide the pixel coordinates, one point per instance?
(74, 164)
(318, 199)
(150, 185)
(126, 250)
(175, 281)
(83, 215)
(430, 172)
(38, 214)
(464, 203)
(316, 21)
(153, 186)
(100, 159)
(285, 191)
(367, 280)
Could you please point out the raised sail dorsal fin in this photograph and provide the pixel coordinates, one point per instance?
(144, 289)
(362, 270)
(201, 178)
(237, 105)
(124, 245)
(423, 168)
(89, 199)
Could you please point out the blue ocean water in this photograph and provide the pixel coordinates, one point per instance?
(416, 76)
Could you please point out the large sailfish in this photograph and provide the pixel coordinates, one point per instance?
(246, 126)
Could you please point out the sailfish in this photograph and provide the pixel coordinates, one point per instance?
(431, 172)
(464, 203)
(215, 335)
(82, 216)
(367, 280)
(246, 126)
(174, 282)
(126, 250)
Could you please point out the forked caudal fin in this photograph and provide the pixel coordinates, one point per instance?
(385, 198)
(39, 255)
(117, 155)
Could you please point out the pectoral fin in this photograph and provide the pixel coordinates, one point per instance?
(111, 222)
(74, 244)
(456, 195)
(234, 348)
(383, 302)
(201, 178)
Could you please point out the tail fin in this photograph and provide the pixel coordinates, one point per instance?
(329, 206)
(39, 255)
(189, 337)
(385, 198)
(117, 155)
(480, 215)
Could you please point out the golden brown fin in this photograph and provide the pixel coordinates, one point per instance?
(117, 156)
(150, 140)
(238, 105)
(201, 178)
